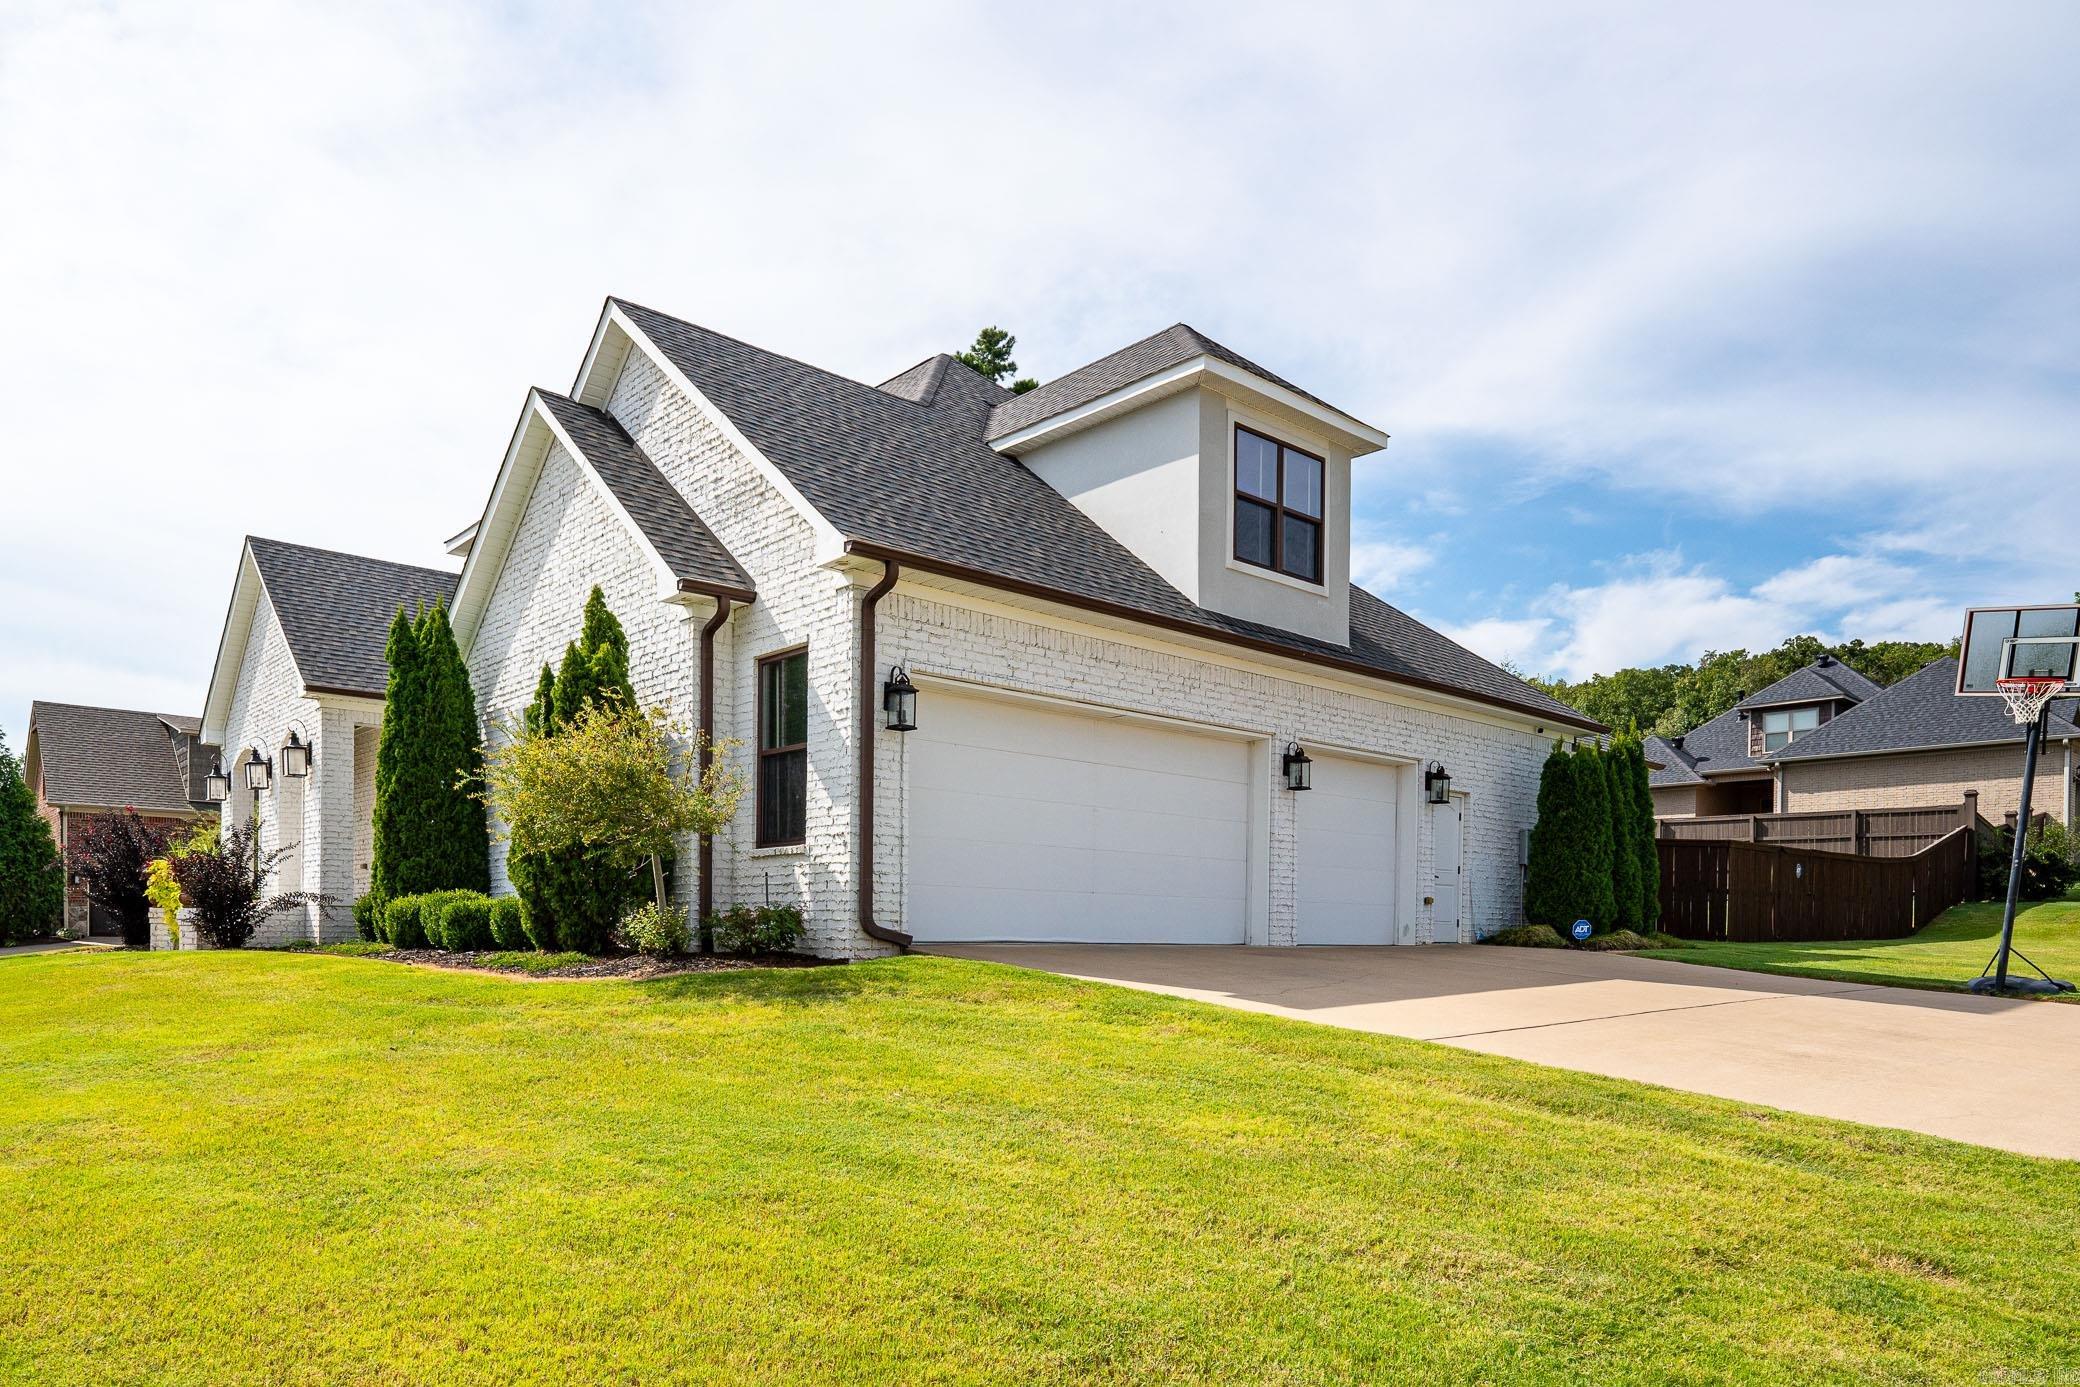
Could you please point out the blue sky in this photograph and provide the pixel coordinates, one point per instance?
(1692, 328)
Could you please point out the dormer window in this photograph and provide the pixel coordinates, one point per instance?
(1278, 506)
(1780, 725)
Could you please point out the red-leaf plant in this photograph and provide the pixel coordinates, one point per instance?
(224, 886)
(109, 853)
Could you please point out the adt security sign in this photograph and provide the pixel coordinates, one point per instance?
(1581, 930)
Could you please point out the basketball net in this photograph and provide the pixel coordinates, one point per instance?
(2026, 696)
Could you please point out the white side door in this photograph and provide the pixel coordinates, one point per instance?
(1448, 853)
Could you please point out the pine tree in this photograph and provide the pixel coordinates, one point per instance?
(576, 899)
(429, 830)
(1625, 897)
(1644, 833)
(32, 881)
(1600, 900)
(394, 867)
(458, 842)
(1570, 871)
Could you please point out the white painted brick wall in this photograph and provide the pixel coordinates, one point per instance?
(569, 538)
(1499, 769)
(269, 697)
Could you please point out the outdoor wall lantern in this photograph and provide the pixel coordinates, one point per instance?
(899, 701)
(216, 786)
(1438, 781)
(296, 757)
(259, 772)
(1299, 768)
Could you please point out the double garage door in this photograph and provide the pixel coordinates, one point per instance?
(1037, 822)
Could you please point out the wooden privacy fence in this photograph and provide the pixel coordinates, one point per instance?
(1757, 892)
(1865, 832)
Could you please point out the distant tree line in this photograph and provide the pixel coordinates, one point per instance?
(1671, 699)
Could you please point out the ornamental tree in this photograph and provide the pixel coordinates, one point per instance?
(1625, 896)
(575, 896)
(616, 784)
(32, 878)
(110, 854)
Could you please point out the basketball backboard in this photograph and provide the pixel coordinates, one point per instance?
(2015, 642)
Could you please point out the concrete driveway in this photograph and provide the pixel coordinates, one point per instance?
(1978, 1069)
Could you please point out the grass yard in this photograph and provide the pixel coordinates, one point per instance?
(1947, 953)
(266, 1167)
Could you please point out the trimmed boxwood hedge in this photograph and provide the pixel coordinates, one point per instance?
(509, 924)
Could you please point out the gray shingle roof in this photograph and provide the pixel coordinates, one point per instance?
(1814, 683)
(111, 757)
(921, 480)
(687, 546)
(336, 609)
(1172, 346)
(1920, 712)
(1710, 748)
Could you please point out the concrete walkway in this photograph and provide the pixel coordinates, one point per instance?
(50, 946)
(1977, 1069)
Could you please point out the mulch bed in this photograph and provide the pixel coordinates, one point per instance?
(609, 965)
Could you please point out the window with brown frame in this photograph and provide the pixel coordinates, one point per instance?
(783, 748)
(1278, 506)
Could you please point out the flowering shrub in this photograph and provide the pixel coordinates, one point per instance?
(163, 890)
(654, 931)
(765, 929)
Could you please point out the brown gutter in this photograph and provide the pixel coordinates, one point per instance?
(707, 730)
(1115, 609)
(864, 734)
(718, 591)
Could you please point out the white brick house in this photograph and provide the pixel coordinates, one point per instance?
(1122, 597)
(302, 653)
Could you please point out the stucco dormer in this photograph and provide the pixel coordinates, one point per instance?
(1231, 484)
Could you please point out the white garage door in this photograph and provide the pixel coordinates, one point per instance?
(1345, 891)
(1030, 822)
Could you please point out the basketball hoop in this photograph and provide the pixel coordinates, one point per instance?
(2026, 695)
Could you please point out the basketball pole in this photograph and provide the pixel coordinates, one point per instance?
(2021, 846)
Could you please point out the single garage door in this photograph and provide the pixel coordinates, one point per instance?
(1039, 823)
(1345, 890)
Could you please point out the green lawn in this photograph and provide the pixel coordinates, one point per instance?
(255, 1167)
(1946, 953)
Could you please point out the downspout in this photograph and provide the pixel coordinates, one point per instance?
(707, 730)
(864, 735)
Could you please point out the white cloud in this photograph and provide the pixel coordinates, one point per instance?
(1655, 609)
(304, 296)
(1382, 565)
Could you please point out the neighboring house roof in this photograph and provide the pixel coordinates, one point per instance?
(687, 546)
(1921, 712)
(335, 610)
(1717, 747)
(905, 470)
(1823, 681)
(113, 758)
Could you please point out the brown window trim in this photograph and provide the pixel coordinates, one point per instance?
(1278, 509)
(758, 726)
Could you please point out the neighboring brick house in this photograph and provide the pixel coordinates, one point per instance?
(1857, 746)
(1123, 599)
(83, 761)
(1723, 766)
(302, 652)
(1917, 742)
